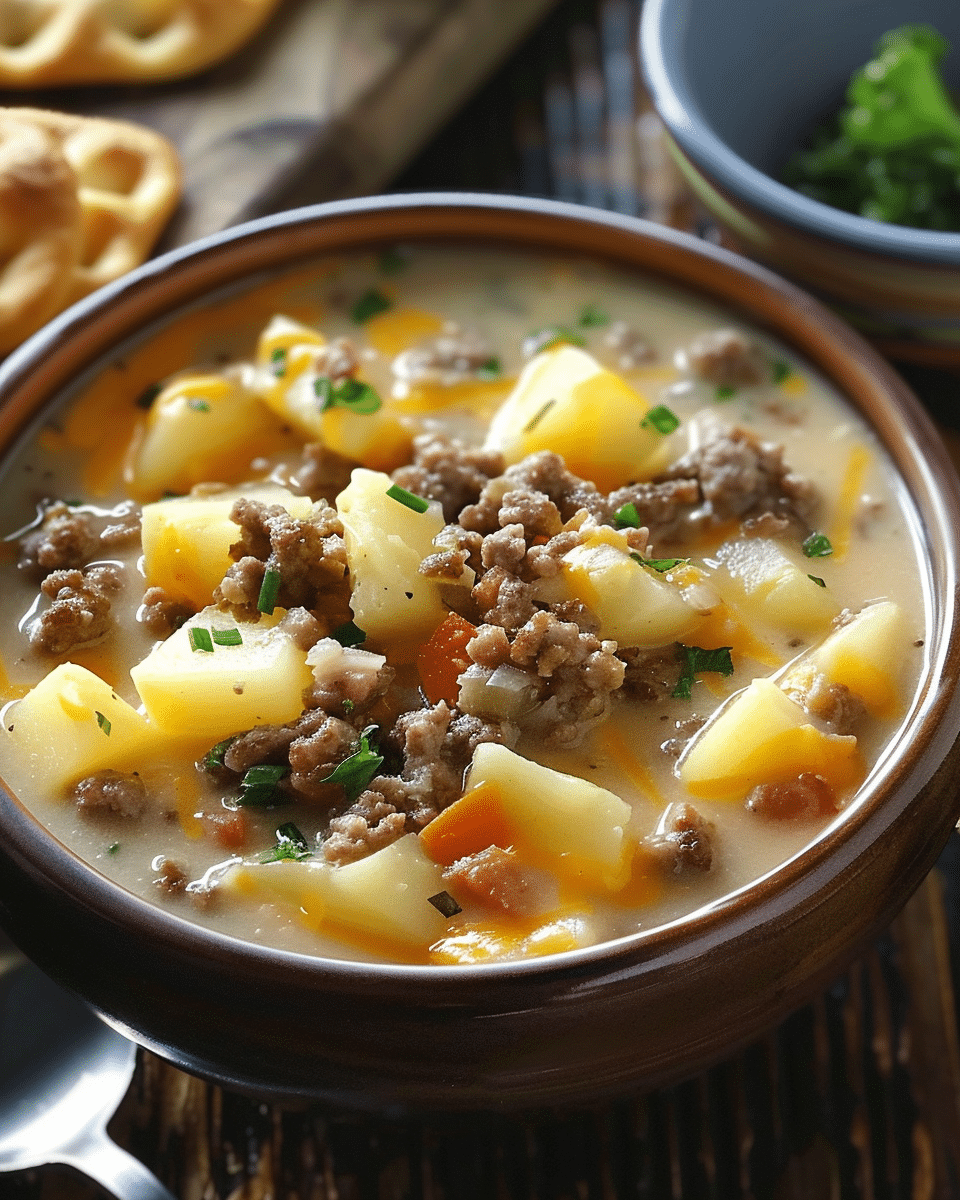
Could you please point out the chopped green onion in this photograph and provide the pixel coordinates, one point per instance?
(408, 499)
(725, 391)
(200, 639)
(260, 786)
(491, 369)
(356, 771)
(227, 637)
(104, 723)
(213, 759)
(269, 590)
(290, 844)
(664, 420)
(659, 564)
(352, 394)
(278, 361)
(592, 317)
(627, 516)
(697, 660)
(445, 904)
(349, 634)
(817, 545)
(369, 305)
(817, 580)
(538, 416)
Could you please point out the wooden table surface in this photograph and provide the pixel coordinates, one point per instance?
(857, 1095)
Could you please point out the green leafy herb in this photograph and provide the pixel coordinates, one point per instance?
(227, 637)
(352, 394)
(780, 370)
(260, 786)
(445, 904)
(549, 336)
(370, 304)
(892, 152)
(724, 391)
(817, 545)
(348, 705)
(291, 844)
(391, 261)
(269, 590)
(104, 723)
(113, 848)
(349, 634)
(659, 564)
(592, 316)
(200, 639)
(408, 499)
(148, 395)
(278, 361)
(627, 516)
(491, 369)
(538, 416)
(664, 420)
(213, 759)
(817, 580)
(198, 405)
(355, 772)
(697, 660)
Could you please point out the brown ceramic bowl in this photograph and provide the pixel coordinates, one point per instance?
(558, 1030)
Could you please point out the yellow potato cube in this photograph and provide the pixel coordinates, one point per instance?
(868, 656)
(572, 826)
(201, 428)
(386, 542)
(762, 580)
(380, 902)
(187, 539)
(72, 724)
(566, 402)
(762, 736)
(227, 689)
(636, 606)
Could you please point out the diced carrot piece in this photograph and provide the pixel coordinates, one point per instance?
(444, 659)
(228, 829)
(471, 824)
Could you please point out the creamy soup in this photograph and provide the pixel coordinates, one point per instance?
(446, 605)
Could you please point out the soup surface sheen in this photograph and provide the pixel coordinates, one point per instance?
(449, 605)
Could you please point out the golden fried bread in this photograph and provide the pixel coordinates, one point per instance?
(44, 42)
(82, 200)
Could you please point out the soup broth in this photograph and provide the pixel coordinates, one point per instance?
(446, 605)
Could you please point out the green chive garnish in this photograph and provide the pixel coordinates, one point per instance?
(104, 723)
(349, 634)
(817, 580)
(538, 416)
(213, 759)
(227, 637)
(200, 639)
(817, 545)
(408, 499)
(664, 420)
(269, 590)
(369, 305)
(697, 660)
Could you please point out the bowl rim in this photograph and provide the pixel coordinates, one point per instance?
(729, 916)
(662, 64)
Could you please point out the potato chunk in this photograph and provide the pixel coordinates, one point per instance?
(380, 903)
(762, 736)
(566, 402)
(72, 724)
(200, 428)
(766, 584)
(636, 606)
(229, 688)
(187, 539)
(386, 542)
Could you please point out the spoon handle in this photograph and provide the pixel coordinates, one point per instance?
(123, 1175)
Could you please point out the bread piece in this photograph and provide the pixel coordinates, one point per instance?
(44, 42)
(82, 200)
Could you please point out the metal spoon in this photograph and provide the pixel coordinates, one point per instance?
(63, 1073)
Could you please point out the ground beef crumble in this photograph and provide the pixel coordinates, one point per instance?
(446, 470)
(79, 610)
(113, 792)
(683, 840)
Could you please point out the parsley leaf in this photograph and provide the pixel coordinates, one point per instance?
(356, 771)
(696, 660)
(370, 304)
(290, 844)
(664, 420)
(659, 564)
(352, 394)
(260, 786)
(213, 759)
(349, 634)
(626, 516)
(817, 545)
(200, 639)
